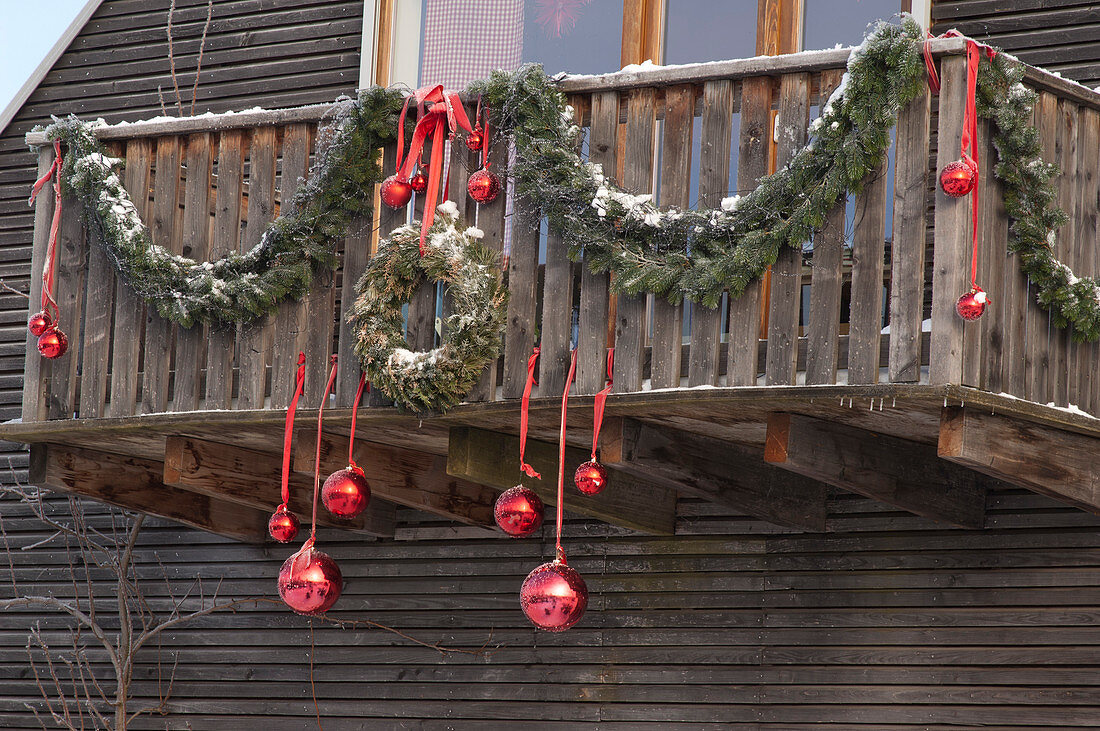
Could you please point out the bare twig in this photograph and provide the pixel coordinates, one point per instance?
(202, 47)
(12, 290)
(172, 58)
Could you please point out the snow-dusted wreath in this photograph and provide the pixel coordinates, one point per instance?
(439, 378)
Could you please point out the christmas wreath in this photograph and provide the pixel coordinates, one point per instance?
(439, 378)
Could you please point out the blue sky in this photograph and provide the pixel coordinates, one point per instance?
(28, 30)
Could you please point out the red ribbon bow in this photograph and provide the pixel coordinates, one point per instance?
(442, 110)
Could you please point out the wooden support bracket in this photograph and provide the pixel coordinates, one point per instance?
(1059, 464)
(722, 472)
(492, 458)
(252, 478)
(901, 473)
(134, 483)
(415, 479)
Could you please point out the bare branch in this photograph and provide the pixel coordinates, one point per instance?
(172, 58)
(202, 47)
(74, 612)
(12, 290)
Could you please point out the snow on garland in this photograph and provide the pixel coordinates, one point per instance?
(439, 378)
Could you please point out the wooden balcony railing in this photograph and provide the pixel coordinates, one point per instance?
(210, 185)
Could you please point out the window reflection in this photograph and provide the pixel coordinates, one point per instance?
(827, 23)
(703, 30)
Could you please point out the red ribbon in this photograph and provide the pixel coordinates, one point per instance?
(317, 453)
(561, 452)
(288, 430)
(355, 413)
(601, 400)
(442, 111)
(48, 301)
(523, 415)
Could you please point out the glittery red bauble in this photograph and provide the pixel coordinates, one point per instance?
(396, 193)
(52, 343)
(418, 182)
(484, 186)
(346, 492)
(310, 582)
(518, 511)
(554, 597)
(972, 304)
(958, 178)
(283, 526)
(39, 323)
(590, 477)
(474, 140)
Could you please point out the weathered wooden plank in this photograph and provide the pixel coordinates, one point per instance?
(95, 349)
(252, 479)
(415, 479)
(630, 311)
(254, 339)
(714, 175)
(1063, 349)
(557, 316)
(519, 334)
(868, 252)
(950, 260)
(490, 219)
(136, 484)
(594, 305)
(993, 233)
(1087, 226)
(785, 292)
(356, 258)
(191, 342)
(1037, 351)
(1051, 462)
(227, 227)
(725, 473)
(900, 473)
(72, 256)
(491, 458)
(910, 231)
(675, 190)
(36, 369)
(752, 164)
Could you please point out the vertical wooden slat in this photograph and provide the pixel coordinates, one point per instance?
(1061, 346)
(909, 240)
(714, 175)
(675, 190)
(868, 251)
(196, 244)
(356, 258)
(388, 220)
(490, 219)
(255, 338)
(69, 292)
(786, 284)
(1038, 385)
(36, 369)
(95, 350)
(993, 237)
(752, 164)
(519, 335)
(630, 311)
(290, 319)
(1088, 148)
(950, 260)
(594, 307)
(227, 227)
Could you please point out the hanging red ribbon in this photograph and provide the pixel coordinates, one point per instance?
(317, 451)
(561, 452)
(354, 414)
(48, 301)
(601, 400)
(288, 430)
(443, 111)
(524, 408)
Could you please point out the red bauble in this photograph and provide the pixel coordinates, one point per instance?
(310, 582)
(475, 139)
(972, 305)
(396, 193)
(39, 323)
(554, 597)
(283, 526)
(518, 511)
(346, 492)
(590, 477)
(52, 343)
(484, 186)
(418, 183)
(958, 178)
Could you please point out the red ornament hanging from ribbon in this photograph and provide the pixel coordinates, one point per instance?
(346, 492)
(45, 324)
(483, 185)
(283, 524)
(591, 477)
(518, 511)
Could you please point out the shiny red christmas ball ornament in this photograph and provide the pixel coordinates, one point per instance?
(972, 305)
(283, 526)
(475, 139)
(52, 343)
(346, 492)
(39, 323)
(483, 186)
(554, 596)
(590, 477)
(310, 582)
(396, 193)
(958, 178)
(518, 511)
(418, 183)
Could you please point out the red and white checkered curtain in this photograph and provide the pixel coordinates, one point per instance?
(466, 39)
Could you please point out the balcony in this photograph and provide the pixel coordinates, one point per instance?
(846, 368)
